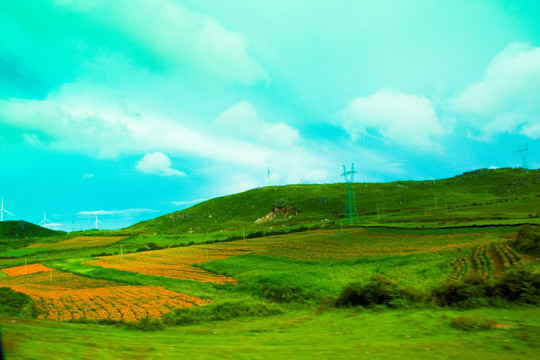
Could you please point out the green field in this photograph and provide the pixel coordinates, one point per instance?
(442, 276)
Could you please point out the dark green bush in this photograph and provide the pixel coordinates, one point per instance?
(146, 324)
(519, 285)
(465, 294)
(528, 240)
(13, 303)
(380, 290)
(220, 311)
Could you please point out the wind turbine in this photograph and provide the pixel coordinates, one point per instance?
(2, 211)
(45, 221)
(97, 221)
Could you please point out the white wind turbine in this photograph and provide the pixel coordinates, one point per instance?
(97, 221)
(45, 221)
(2, 211)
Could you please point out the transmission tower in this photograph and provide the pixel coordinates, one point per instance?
(523, 153)
(351, 212)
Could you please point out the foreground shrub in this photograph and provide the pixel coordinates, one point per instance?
(519, 285)
(381, 290)
(528, 240)
(220, 311)
(146, 324)
(13, 303)
(466, 294)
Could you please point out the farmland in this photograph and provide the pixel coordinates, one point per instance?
(440, 285)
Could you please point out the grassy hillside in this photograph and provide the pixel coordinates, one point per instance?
(22, 229)
(482, 195)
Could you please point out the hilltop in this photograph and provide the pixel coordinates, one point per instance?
(481, 195)
(23, 229)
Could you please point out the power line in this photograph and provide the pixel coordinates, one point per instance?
(351, 211)
(523, 153)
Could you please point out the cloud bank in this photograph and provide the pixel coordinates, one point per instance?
(395, 117)
(507, 98)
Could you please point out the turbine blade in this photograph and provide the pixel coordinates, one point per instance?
(8, 212)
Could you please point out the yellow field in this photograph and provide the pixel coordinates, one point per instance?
(66, 296)
(25, 269)
(79, 242)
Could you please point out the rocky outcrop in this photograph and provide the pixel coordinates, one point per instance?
(279, 213)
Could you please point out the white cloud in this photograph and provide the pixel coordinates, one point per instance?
(87, 176)
(167, 34)
(242, 121)
(394, 116)
(158, 163)
(507, 99)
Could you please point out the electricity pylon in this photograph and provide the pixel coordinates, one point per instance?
(351, 212)
(523, 153)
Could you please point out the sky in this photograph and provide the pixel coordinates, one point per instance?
(127, 110)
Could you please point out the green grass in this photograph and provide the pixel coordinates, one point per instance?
(484, 195)
(343, 334)
(17, 253)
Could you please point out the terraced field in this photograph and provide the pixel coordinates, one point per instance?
(64, 296)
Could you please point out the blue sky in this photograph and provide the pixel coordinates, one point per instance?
(131, 109)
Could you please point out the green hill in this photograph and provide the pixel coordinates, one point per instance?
(22, 229)
(501, 195)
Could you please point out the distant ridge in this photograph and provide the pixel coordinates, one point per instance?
(398, 201)
(23, 229)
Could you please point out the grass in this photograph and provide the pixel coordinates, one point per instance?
(346, 334)
(17, 253)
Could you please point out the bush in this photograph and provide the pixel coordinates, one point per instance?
(146, 324)
(13, 303)
(380, 290)
(519, 285)
(465, 294)
(516, 285)
(528, 240)
(220, 311)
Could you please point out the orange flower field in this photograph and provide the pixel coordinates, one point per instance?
(177, 263)
(79, 242)
(26, 269)
(71, 297)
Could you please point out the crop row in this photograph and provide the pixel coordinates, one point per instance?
(120, 303)
(72, 297)
(482, 262)
(508, 256)
(485, 261)
(461, 268)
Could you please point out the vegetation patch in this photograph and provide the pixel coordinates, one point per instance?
(13, 303)
(528, 240)
(469, 323)
(221, 311)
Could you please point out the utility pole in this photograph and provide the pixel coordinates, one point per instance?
(523, 153)
(351, 211)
